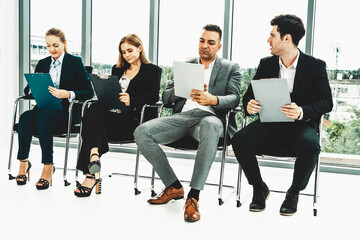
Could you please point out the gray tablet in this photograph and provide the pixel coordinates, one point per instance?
(39, 84)
(108, 89)
(272, 94)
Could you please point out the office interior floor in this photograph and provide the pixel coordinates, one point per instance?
(117, 213)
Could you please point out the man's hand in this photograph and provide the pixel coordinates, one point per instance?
(253, 107)
(125, 98)
(204, 98)
(291, 111)
(59, 93)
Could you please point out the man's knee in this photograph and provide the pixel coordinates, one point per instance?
(309, 143)
(211, 125)
(141, 132)
(240, 139)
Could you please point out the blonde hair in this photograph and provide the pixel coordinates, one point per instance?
(58, 33)
(134, 40)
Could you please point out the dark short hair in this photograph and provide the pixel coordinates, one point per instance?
(289, 24)
(213, 28)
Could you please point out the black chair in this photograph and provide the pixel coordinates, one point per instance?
(284, 156)
(188, 143)
(72, 131)
(131, 139)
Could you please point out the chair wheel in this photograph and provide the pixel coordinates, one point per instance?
(11, 177)
(221, 202)
(315, 212)
(153, 193)
(66, 183)
(238, 203)
(137, 192)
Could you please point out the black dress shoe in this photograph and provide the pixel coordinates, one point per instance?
(289, 206)
(259, 197)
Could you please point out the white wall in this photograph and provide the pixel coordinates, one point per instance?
(9, 66)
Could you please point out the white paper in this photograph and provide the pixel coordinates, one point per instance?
(271, 94)
(187, 76)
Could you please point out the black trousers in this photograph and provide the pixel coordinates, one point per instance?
(100, 126)
(43, 123)
(278, 139)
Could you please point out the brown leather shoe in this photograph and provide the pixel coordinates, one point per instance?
(166, 195)
(191, 213)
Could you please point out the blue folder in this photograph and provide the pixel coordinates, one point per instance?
(39, 84)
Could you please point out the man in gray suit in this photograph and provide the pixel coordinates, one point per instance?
(201, 117)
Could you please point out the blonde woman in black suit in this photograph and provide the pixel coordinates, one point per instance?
(71, 81)
(140, 82)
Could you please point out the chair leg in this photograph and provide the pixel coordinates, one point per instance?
(11, 177)
(317, 170)
(137, 192)
(153, 193)
(238, 188)
(221, 182)
(66, 183)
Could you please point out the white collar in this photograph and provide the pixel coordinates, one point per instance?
(210, 65)
(60, 59)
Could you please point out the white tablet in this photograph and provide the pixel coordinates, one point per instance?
(187, 76)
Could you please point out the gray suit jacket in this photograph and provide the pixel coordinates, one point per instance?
(224, 83)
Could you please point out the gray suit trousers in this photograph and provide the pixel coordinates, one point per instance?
(203, 126)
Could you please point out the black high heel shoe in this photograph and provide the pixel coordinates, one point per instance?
(44, 184)
(22, 178)
(86, 191)
(95, 166)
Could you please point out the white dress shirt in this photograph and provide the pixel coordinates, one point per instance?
(190, 104)
(289, 75)
(55, 73)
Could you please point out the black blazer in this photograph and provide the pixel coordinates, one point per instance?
(143, 88)
(311, 89)
(73, 78)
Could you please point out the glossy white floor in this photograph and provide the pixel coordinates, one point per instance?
(118, 214)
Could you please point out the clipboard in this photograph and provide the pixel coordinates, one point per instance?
(187, 76)
(108, 89)
(271, 94)
(39, 84)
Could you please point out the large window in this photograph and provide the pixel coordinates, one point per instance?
(112, 20)
(181, 23)
(337, 43)
(252, 28)
(46, 14)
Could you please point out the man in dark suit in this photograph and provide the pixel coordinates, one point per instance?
(311, 97)
(201, 117)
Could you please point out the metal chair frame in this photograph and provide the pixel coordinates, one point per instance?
(87, 104)
(317, 171)
(71, 132)
(222, 147)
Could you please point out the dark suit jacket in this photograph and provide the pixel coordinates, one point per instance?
(224, 83)
(73, 78)
(143, 88)
(311, 89)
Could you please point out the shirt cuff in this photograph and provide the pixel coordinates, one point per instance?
(301, 114)
(72, 96)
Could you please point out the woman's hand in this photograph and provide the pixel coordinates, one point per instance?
(125, 98)
(59, 93)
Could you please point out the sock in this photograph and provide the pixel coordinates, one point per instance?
(194, 194)
(176, 184)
